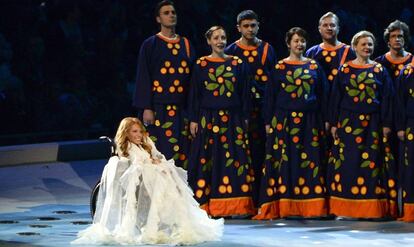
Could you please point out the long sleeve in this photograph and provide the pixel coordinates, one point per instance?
(194, 97)
(386, 100)
(244, 91)
(399, 102)
(271, 58)
(323, 93)
(272, 90)
(143, 85)
(335, 99)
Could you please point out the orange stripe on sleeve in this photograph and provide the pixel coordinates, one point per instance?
(187, 47)
(266, 47)
(344, 55)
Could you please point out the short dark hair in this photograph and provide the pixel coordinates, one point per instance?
(397, 25)
(295, 30)
(162, 4)
(247, 15)
(212, 29)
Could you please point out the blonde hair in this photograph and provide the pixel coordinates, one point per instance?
(121, 137)
(361, 34)
(329, 14)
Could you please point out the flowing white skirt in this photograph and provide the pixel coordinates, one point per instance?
(148, 204)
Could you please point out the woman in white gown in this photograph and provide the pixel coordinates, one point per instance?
(145, 199)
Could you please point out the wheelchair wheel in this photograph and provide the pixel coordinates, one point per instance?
(94, 198)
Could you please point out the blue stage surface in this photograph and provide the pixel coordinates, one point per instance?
(46, 204)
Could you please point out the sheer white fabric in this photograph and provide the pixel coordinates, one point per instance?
(143, 203)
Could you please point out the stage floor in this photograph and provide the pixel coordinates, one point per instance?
(47, 204)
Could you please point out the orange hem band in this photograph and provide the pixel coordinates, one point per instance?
(408, 215)
(268, 211)
(229, 206)
(371, 208)
(306, 208)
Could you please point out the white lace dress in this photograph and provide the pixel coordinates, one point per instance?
(143, 203)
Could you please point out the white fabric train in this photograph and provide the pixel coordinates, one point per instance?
(143, 203)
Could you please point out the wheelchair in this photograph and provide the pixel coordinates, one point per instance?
(95, 190)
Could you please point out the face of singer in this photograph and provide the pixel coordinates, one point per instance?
(167, 16)
(135, 134)
(297, 45)
(218, 41)
(329, 29)
(364, 48)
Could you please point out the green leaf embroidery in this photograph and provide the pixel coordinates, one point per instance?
(290, 88)
(212, 77)
(353, 82)
(362, 96)
(300, 91)
(337, 164)
(294, 131)
(219, 70)
(361, 76)
(370, 92)
(229, 162)
(173, 140)
(203, 122)
(228, 74)
(239, 142)
(274, 122)
(369, 81)
(344, 122)
(375, 172)
(240, 170)
(357, 131)
(306, 86)
(212, 86)
(222, 130)
(239, 130)
(315, 171)
(222, 89)
(229, 85)
(166, 125)
(176, 156)
(353, 92)
(365, 163)
(305, 164)
(297, 72)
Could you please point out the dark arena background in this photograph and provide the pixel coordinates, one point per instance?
(60, 91)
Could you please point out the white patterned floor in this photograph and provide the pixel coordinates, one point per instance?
(47, 204)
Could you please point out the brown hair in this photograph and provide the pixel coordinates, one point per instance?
(121, 138)
(295, 30)
(211, 30)
(398, 25)
(162, 4)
